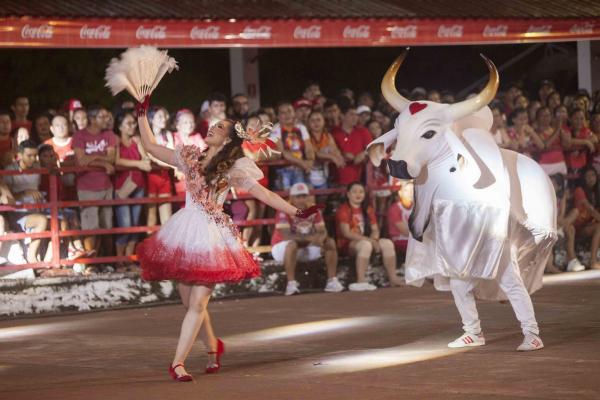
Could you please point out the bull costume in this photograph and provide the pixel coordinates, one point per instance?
(484, 220)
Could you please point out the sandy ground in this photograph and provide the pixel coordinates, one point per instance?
(388, 344)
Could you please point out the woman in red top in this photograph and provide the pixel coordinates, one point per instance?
(580, 140)
(522, 137)
(160, 181)
(587, 223)
(129, 183)
(551, 158)
(358, 234)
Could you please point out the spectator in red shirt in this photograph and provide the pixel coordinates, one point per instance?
(7, 144)
(358, 235)
(332, 114)
(130, 183)
(551, 157)
(216, 112)
(580, 137)
(185, 135)
(352, 140)
(398, 214)
(41, 127)
(296, 239)
(20, 108)
(63, 147)
(586, 200)
(79, 119)
(293, 141)
(159, 181)
(95, 147)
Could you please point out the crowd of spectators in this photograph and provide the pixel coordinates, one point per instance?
(322, 141)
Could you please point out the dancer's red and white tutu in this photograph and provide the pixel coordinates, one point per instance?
(200, 244)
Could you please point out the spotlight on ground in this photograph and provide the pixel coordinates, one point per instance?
(310, 328)
(381, 358)
(22, 332)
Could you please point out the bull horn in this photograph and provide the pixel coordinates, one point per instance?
(475, 103)
(388, 85)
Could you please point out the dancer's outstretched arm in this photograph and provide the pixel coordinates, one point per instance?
(272, 199)
(159, 152)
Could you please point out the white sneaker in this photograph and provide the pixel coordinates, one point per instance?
(361, 287)
(291, 288)
(334, 286)
(575, 266)
(530, 343)
(467, 340)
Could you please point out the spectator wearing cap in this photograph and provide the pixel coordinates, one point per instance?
(240, 107)
(302, 108)
(546, 87)
(296, 239)
(69, 108)
(216, 112)
(293, 141)
(352, 140)
(364, 115)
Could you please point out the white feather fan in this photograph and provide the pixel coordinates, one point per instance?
(138, 71)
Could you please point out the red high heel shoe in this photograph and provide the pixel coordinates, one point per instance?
(179, 378)
(220, 350)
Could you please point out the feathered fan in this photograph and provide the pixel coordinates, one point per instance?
(138, 71)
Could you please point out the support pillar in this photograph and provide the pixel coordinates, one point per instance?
(244, 74)
(584, 65)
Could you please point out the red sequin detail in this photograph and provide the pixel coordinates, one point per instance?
(160, 262)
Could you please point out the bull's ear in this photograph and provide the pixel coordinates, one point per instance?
(376, 152)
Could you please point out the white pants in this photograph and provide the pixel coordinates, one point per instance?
(511, 283)
(308, 253)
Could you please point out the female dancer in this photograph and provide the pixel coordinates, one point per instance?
(199, 246)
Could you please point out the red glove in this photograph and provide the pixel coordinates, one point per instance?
(141, 108)
(309, 211)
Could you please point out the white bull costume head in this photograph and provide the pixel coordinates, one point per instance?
(476, 206)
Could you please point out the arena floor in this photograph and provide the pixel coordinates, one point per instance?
(388, 344)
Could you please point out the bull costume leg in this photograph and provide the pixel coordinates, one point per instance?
(484, 218)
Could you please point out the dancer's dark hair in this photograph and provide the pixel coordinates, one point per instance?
(222, 162)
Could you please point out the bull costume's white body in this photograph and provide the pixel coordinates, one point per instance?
(484, 220)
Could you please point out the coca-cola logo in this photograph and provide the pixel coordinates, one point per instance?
(262, 32)
(357, 32)
(404, 32)
(98, 32)
(155, 32)
(585, 27)
(452, 31)
(311, 32)
(206, 33)
(539, 29)
(37, 32)
(495, 31)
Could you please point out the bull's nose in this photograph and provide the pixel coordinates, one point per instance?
(398, 169)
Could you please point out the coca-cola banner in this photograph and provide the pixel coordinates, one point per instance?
(30, 32)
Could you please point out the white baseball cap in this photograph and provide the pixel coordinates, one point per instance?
(363, 109)
(299, 188)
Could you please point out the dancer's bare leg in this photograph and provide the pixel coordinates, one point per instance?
(207, 334)
(196, 307)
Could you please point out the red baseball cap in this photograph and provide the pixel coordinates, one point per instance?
(302, 103)
(73, 104)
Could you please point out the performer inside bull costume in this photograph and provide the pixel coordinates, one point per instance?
(484, 220)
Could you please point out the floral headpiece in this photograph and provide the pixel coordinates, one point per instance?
(257, 137)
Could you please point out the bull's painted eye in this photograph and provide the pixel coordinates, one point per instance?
(428, 134)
